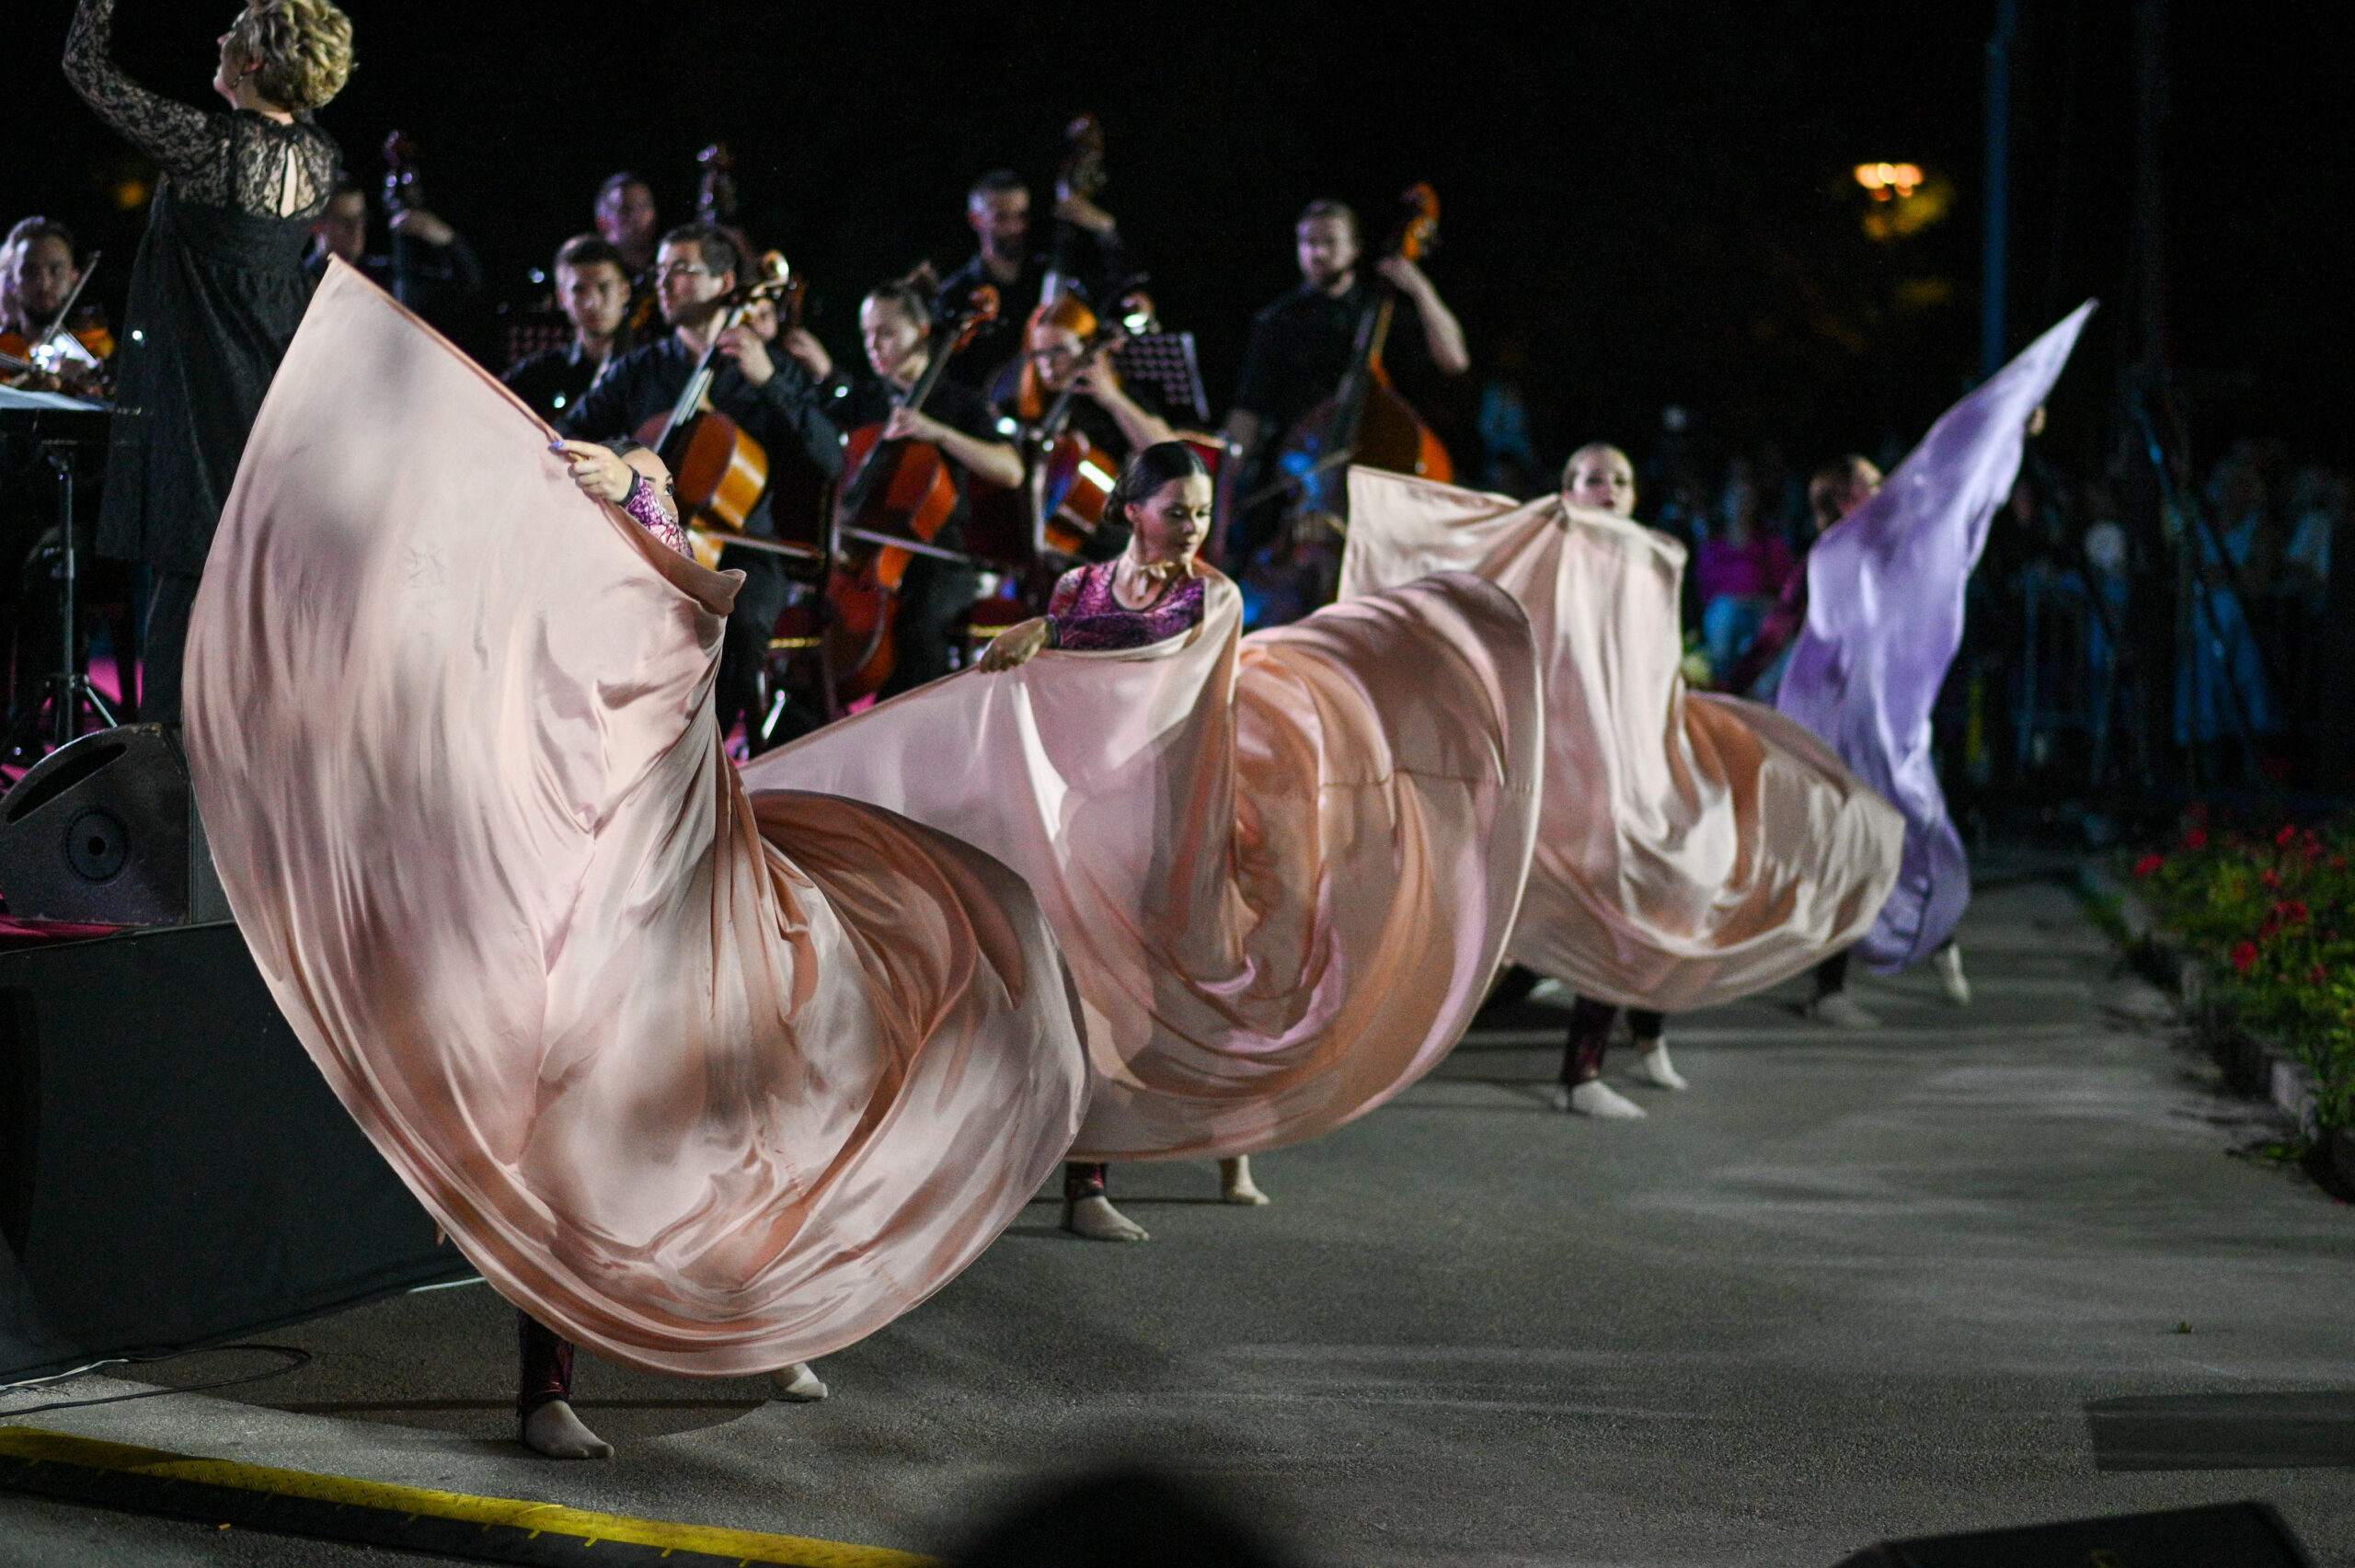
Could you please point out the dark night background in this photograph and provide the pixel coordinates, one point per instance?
(1643, 205)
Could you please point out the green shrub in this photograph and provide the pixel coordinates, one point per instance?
(2272, 917)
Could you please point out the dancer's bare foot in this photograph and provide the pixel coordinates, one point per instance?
(1094, 1218)
(1835, 1008)
(555, 1431)
(1948, 961)
(1234, 1183)
(1654, 1068)
(799, 1385)
(1595, 1098)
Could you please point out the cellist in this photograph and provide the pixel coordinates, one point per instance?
(1114, 418)
(777, 402)
(895, 327)
(1300, 346)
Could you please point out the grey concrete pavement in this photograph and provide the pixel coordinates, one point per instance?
(1850, 1287)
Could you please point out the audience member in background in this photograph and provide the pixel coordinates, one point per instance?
(1743, 571)
(430, 268)
(2221, 697)
(592, 289)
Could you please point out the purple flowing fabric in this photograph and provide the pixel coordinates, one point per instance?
(1884, 619)
(710, 1082)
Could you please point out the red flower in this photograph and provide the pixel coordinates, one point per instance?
(2196, 839)
(2149, 864)
(2244, 956)
(2338, 863)
(2318, 975)
(2286, 837)
(2293, 913)
(2271, 880)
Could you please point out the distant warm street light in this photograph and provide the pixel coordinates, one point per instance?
(1885, 180)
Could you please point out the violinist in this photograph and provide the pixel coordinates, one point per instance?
(38, 276)
(430, 267)
(1301, 345)
(997, 210)
(593, 286)
(895, 327)
(1112, 418)
(775, 401)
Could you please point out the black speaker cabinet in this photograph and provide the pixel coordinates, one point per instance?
(104, 829)
(2223, 1534)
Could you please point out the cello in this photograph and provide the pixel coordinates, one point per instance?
(718, 472)
(1071, 478)
(1365, 421)
(894, 499)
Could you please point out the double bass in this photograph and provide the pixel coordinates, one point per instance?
(894, 499)
(1365, 421)
(718, 472)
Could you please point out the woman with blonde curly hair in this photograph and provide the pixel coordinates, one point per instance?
(217, 290)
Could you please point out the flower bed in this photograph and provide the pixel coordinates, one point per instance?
(2270, 920)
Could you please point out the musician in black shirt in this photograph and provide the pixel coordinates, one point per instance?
(1300, 345)
(775, 403)
(1087, 254)
(894, 324)
(428, 268)
(592, 287)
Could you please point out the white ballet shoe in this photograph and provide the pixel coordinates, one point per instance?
(553, 1430)
(798, 1384)
(1595, 1098)
(1838, 1011)
(1654, 1068)
(1234, 1183)
(1094, 1218)
(1948, 960)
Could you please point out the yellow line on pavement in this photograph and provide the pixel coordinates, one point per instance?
(747, 1546)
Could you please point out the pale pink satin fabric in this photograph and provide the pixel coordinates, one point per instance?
(1282, 866)
(1692, 848)
(709, 1083)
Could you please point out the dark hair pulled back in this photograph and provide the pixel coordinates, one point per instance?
(1147, 472)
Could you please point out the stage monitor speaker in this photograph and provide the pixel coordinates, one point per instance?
(104, 829)
(2223, 1534)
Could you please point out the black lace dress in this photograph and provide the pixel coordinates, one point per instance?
(217, 293)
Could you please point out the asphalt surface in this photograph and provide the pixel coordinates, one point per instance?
(1852, 1287)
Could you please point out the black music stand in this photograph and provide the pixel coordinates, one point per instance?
(70, 706)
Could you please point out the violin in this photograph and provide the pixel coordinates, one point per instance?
(894, 499)
(61, 356)
(1071, 477)
(718, 472)
(1365, 421)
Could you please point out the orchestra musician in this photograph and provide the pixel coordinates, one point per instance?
(39, 273)
(776, 402)
(626, 218)
(1301, 344)
(997, 208)
(217, 290)
(593, 287)
(895, 327)
(1114, 418)
(430, 268)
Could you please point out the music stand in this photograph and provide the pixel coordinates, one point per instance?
(1165, 362)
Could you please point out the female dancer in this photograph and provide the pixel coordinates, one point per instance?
(1693, 848)
(1884, 619)
(710, 1085)
(217, 290)
(1282, 867)
(1149, 593)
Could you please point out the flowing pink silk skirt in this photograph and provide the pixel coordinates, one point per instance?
(1690, 849)
(1282, 866)
(709, 1082)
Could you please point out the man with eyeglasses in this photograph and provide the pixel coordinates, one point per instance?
(775, 401)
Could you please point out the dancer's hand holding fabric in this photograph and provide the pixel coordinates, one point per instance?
(632, 477)
(1014, 647)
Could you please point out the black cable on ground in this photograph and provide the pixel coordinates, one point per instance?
(295, 1360)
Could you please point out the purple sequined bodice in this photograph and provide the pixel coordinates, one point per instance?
(644, 505)
(1087, 617)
